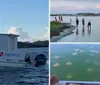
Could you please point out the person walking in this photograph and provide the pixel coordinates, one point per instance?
(83, 22)
(77, 22)
(61, 19)
(56, 19)
(70, 21)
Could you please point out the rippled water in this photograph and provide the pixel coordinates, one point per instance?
(86, 36)
(24, 76)
(76, 61)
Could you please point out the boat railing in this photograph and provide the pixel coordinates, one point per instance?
(78, 83)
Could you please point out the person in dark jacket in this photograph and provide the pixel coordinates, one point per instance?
(77, 22)
(27, 58)
(89, 24)
(56, 19)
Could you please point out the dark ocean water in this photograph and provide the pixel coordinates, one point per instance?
(24, 76)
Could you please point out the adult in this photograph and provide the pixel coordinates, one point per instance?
(77, 22)
(83, 22)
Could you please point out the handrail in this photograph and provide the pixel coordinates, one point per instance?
(78, 82)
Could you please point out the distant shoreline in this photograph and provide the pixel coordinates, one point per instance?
(78, 14)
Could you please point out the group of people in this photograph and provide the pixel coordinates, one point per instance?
(59, 20)
(77, 21)
(83, 22)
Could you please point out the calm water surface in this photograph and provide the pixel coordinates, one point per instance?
(86, 36)
(76, 62)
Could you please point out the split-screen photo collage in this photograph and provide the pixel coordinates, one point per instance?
(49, 42)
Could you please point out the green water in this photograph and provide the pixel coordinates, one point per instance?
(84, 66)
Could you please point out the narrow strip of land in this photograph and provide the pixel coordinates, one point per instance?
(59, 30)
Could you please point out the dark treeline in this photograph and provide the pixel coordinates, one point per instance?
(78, 14)
(34, 44)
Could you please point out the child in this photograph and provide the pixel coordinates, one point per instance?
(89, 24)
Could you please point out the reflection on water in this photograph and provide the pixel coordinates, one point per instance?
(77, 31)
(89, 31)
(82, 33)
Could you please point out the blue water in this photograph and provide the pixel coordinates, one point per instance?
(76, 62)
(24, 76)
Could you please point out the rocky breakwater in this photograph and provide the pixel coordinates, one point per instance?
(59, 30)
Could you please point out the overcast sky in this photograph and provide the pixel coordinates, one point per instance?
(75, 6)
